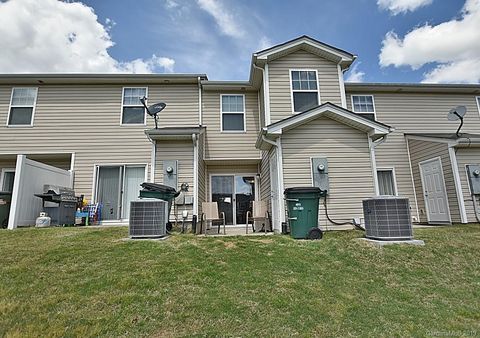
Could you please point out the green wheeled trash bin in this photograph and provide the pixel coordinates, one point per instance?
(5, 201)
(302, 207)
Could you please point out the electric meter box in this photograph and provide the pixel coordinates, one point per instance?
(170, 177)
(473, 172)
(320, 173)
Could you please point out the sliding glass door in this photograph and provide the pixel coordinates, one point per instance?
(117, 186)
(234, 195)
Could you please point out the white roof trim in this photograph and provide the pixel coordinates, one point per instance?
(373, 127)
(304, 40)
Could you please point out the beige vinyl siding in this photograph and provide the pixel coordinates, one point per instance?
(265, 177)
(202, 191)
(422, 151)
(415, 113)
(279, 81)
(85, 120)
(226, 145)
(349, 164)
(247, 169)
(182, 151)
(467, 156)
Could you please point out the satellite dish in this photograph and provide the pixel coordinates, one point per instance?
(456, 114)
(154, 109)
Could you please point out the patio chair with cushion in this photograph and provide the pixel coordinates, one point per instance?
(210, 214)
(260, 212)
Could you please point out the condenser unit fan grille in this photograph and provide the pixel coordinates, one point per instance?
(387, 218)
(148, 218)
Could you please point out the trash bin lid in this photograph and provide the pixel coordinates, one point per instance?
(302, 190)
(158, 187)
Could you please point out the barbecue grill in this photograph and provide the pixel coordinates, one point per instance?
(59, 203)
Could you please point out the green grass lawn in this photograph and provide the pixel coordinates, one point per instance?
(90, 282)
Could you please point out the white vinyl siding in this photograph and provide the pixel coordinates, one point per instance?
(386, 182)
(304, 88)
(22, 106)
(133, 111)
(319, 138)
(232, 113)
(279, 82)
(224, 145)
(364, 105)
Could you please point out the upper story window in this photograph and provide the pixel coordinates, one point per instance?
(233, 113)
(133, 111)
(22, 106)
(364, 106)
(304, 89)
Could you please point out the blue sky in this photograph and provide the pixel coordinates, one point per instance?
(395, 40)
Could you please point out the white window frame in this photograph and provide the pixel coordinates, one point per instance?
(2, 175)
(22, 106)
(394, 176)
(144, 110)
(365, 112)
(303, 90)
(232, 112)
(477, 100)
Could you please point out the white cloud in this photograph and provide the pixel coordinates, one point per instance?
(454, 46)
(355, 75)
(204, 38)
(402, 6)
(56, 36)
(225, 20)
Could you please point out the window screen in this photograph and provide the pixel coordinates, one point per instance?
(304, 90)
(363, 105)
(386, 184)
(21, 106)
(133, 111)
(233, 113)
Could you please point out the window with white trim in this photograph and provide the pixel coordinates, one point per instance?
(304, 90)
(8, 176)
(478, 103)
(386, 182)
(233, 112)
(364, 106)
(133, 112)
(22, 106)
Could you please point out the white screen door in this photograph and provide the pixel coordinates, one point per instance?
(134, 176)
(434, 191)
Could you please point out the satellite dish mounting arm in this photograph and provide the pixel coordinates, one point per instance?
(461, 124)
(155, 117)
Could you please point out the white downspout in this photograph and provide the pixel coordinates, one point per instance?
(372, 145)
(343, 95)
(195, 174)
(200, 113)
(266, 92)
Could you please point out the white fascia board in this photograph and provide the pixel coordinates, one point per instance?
(302, 117)
(342, 56)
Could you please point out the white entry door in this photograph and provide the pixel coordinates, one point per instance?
(434, 191)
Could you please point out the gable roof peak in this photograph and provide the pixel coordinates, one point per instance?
(309, 44)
